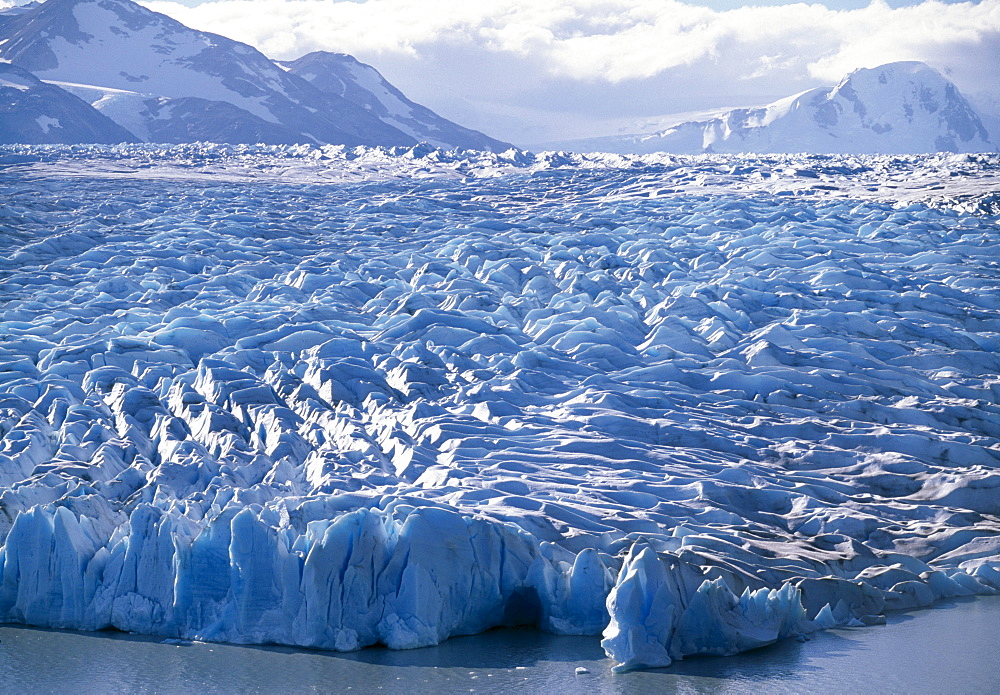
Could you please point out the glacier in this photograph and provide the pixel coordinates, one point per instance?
(335, 397)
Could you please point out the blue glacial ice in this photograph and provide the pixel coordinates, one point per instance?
(335, 398)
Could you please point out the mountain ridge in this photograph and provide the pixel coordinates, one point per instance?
(121, 46)
(905, 107)
(343, 74)
(33, 112)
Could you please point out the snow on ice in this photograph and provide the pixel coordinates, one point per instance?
(340, 397)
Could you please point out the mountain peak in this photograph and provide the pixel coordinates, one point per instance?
(125, 9)
(32, 35)
(905, 107)
(324, 56)
(141, 66)
(915, 97)
(892, 76)
(347, 77)
(898, 69)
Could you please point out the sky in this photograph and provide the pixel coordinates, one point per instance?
(536, 71)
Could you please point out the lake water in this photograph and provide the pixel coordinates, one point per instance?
(951, 649)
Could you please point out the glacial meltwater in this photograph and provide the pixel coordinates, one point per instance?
(949, 649)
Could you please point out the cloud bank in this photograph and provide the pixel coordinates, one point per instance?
(527, 70)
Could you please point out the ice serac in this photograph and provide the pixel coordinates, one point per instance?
(644, 608)
(345, 76)
(897, 108)
(718, 622)
(335, 397)
(35, 112)
(657, 615)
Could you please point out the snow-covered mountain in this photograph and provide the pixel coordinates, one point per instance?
(344, 76)
(181, 119)
(897, 108)
(32, 112)
(138, 63)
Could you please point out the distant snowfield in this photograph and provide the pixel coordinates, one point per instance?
(334, 397)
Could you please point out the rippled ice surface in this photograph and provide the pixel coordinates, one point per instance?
(338, 398)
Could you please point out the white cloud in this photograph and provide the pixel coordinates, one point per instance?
(606, 58)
